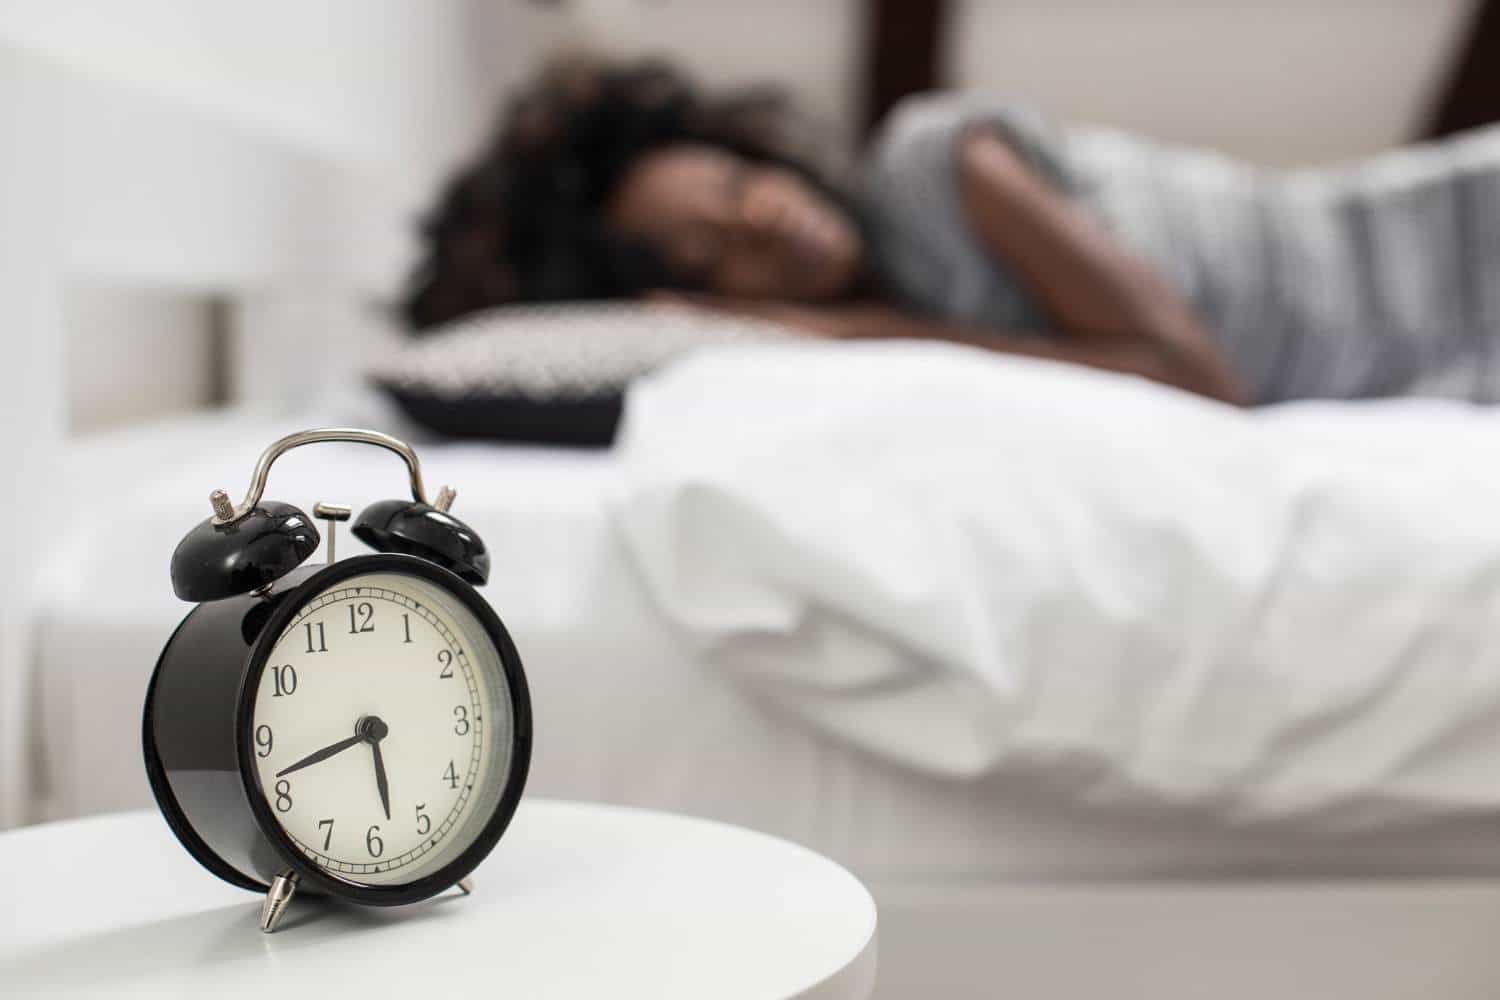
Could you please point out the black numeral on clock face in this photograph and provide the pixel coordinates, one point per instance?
(361, 617)
(285, 679)
(321, 646)
(429, 827)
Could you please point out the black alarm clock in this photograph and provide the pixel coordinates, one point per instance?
(361, 729)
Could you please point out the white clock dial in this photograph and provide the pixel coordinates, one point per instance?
(382, 728)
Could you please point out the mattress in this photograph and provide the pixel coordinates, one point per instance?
(623, 713)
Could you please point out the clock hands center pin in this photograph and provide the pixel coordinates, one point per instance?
(369, 729)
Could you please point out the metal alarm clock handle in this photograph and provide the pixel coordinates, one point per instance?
(207, 726)
(243, 549)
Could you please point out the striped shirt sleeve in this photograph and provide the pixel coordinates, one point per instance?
(924, 246)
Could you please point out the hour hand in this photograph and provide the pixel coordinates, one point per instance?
(321, 755)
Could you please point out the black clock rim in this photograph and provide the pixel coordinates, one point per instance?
(161, 790)
(310, 875)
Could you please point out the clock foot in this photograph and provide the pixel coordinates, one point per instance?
(466, 885)
(283, 888)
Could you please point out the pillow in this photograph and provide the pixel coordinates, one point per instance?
(552, 374)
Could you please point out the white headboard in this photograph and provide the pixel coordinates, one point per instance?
(116, 173)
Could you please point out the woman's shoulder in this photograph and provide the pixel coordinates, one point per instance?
(922, 244)
(921, 135)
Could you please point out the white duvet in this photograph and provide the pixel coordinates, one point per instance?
(970, 563)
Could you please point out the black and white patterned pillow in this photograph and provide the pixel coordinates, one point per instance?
(550, 374)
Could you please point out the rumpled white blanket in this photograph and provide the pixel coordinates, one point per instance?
(967, 563)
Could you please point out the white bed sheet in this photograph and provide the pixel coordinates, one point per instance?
(976, 565)
(623, 714)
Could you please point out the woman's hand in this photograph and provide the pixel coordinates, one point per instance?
(1143, 356)
(1090, 286)
(832, 322)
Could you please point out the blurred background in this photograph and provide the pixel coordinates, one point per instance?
(360, 108)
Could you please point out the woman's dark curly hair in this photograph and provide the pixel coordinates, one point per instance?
(525, 221)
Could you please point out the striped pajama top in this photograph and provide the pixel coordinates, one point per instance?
(1376, 279)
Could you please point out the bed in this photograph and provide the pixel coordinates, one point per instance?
(626, 712)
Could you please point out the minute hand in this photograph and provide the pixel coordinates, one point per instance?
(320, 755)
(380, 783)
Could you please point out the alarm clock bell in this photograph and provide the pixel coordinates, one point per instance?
(426, 531)
(216, 561)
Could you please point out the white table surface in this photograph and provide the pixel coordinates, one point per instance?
(576, 901)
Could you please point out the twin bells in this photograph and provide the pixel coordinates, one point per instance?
(247, 548)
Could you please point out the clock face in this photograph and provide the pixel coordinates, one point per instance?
(383, 729)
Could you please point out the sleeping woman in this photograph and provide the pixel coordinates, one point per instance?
(976, 222)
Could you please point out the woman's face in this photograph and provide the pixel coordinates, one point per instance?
(743, 229)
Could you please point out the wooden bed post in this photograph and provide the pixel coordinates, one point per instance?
(902, 53)
(1470, 96)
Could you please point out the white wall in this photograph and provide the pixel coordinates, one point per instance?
(811, 47)
(134, 353)
(1277, 81)
(211, 146)
(30, 407)
(351, 78)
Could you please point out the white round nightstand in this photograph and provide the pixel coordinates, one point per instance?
(577, 901)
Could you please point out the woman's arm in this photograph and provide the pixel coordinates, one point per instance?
(1116, 313)
(871, 321)
(1105, 299)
